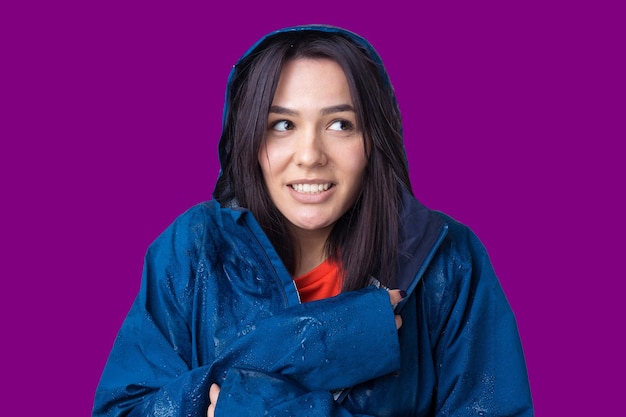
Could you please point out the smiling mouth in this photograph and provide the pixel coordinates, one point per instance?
(311, 188)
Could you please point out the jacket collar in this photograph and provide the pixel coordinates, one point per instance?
(421, 233)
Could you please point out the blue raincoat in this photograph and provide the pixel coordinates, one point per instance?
(216, 305)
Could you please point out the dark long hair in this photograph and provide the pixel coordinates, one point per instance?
(364, 240)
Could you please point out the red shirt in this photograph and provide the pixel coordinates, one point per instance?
(323, 281)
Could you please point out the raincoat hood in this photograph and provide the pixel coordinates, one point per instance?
(359, 40)
(224, 182)
(418, 236)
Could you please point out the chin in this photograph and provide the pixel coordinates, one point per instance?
(312, 225)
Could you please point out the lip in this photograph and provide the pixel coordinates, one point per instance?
(311, 181)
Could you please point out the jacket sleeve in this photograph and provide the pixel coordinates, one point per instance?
(151, 370)
(245, 392)
(477, 350)
(323, 345)
(307, 351)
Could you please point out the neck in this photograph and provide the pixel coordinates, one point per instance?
(311, 251)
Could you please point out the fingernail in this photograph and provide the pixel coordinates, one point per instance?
(403, 294)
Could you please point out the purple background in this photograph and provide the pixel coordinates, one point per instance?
(514, 116)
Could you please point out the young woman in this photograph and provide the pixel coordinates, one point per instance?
(315, 284)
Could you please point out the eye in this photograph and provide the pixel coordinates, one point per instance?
(341, 125)
(282, 125)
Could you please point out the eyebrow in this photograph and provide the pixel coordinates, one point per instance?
(325, 111)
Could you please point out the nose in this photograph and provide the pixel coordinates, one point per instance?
(310, 149)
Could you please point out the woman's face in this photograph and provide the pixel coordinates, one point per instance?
(313, 157)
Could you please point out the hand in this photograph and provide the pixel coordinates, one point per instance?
(395, 296)
(214, 392)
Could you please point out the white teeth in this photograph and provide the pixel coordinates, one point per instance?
(310, 188)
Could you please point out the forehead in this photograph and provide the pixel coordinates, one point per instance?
(312, 78)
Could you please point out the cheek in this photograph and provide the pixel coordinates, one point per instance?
(274, 158)
(272, 163)
(357, 164)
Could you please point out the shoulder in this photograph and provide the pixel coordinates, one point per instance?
(203, 213)
(192, 243)
(459, 270)
(192, 221)
(203, 224)
(431, 234)
(461, 244)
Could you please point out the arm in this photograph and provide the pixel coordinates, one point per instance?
(149, 369)
(322, 345)
(146, 375)
(153, 367)
(478, 354)
(247, 392)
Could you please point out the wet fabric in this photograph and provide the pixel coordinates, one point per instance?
(216, 305)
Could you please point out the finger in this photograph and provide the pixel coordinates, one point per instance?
(395, 296)
(398, 322)
(214, 393)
